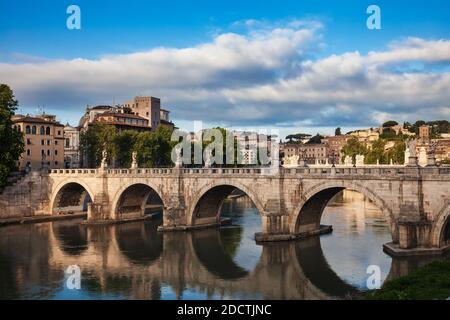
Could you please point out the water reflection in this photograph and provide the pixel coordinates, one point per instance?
(134, 261)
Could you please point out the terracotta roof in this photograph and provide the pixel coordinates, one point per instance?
(123, 115)
(37, 120)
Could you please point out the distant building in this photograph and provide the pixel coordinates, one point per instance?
(311, 153)
(442, 150)
(123, 121)
(335, 145)
(146, 107)
(424, 133)
(165, 120)
(44, 141)
(90, 113)
(71, 147)
(368, 136)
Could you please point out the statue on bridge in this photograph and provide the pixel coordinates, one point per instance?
(412, 153)
(134, 163)
(104, 163)
(359, 160)
(348, 161)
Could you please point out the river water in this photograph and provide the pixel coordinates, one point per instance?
(134, 261)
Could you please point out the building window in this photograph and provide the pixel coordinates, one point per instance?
(56, 142)
(56, 163)
(28, 141)
(43, 152)
(27, 130)
(42, 142)
(33, 130)
(42, 130)
(59, 132)
(67, 143)
(28, 152)
(56, 152)
(48, 152)
(48, 142)
(47, 130)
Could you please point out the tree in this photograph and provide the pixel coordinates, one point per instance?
(92, 142)
(123, 147)
(298, 137)
(390, 123)
(316, 139)
(154, 148)
(338, 132)
(353, 147)
(11, 140)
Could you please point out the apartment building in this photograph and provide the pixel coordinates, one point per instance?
(44, 141)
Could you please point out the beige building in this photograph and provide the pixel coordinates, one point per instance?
(44, 141)
(146, 107)
(311, 153)
(71, 147)
(124, 121)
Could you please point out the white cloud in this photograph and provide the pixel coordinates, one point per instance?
(262, 75)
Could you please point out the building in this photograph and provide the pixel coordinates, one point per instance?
(335, 145)
(90, 114)
(442, 150)
(311, 153)
(165, 120)
(424, 133)
(71, 147)
(366, 136)
(44, 141)
(146, 107)
(123, 121)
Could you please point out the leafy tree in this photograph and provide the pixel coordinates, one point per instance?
(376, 152)
(298, 137)
(337, 132)
(92, 142)
(154, 148)
(315, 140)
(11, 140)
(353, 147)
(390, 123)
(123, 147)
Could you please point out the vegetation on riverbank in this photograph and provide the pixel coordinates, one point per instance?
(429, 282)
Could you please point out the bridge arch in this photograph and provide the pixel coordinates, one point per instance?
(307, 214)
(131, 199)
(441, 228)
(69, 193)
(210, 198)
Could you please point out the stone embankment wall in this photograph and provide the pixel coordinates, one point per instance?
(26, 197)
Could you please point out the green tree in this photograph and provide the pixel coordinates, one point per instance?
(298, 137)
(11, 140)
(315, 140)
(92, 142)
(123, 147)
(390, 123)
(376, 152)
(338, 132)
(154, 148)
(353, 147)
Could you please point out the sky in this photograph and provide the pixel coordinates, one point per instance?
(296, 66)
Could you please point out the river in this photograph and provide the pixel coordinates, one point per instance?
(134, 261)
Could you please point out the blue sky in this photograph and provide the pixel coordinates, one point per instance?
(34, 39)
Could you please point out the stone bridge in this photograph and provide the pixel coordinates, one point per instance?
(414, 200)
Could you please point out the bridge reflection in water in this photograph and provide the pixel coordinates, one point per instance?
(135, 261)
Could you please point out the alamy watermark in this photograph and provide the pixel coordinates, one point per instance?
(73, 277)
(374, 280)
(374, 20)
(73, 21)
